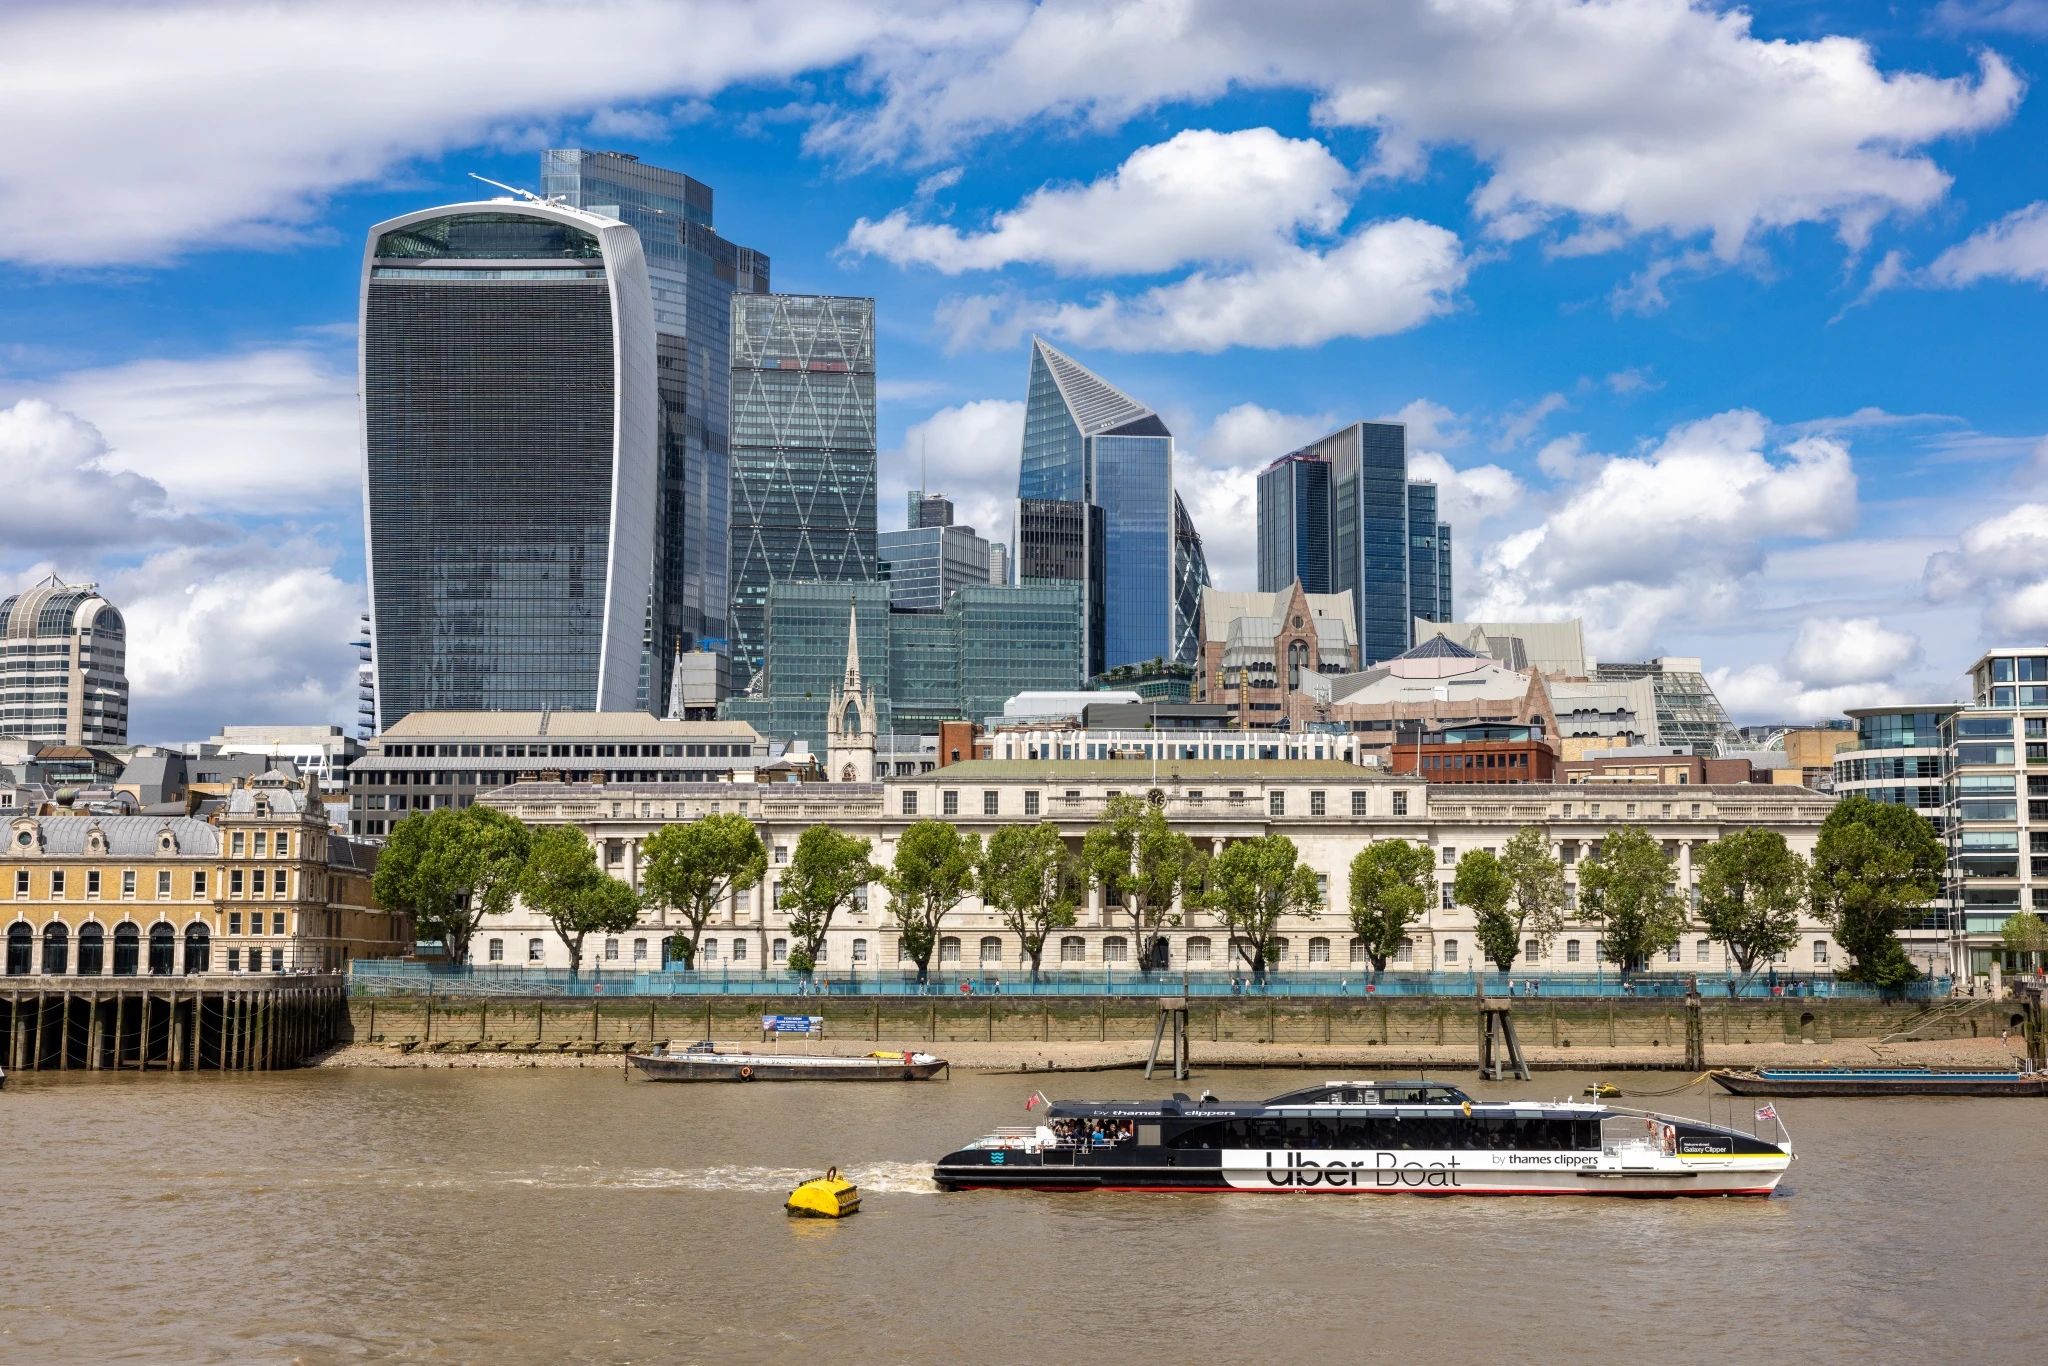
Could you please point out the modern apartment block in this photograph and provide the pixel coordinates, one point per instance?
(1996, 796)
(693, 272)
(1088, 443)
(803, 454)
(1900, 756)
(1341, 515)
(511, 417)
(63, 666)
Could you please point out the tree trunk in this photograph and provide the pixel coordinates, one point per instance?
(575, 947)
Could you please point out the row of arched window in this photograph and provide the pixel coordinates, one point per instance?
(86, 954)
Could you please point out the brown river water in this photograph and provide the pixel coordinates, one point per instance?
(552, 1215)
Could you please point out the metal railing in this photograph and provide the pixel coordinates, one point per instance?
(391, 977)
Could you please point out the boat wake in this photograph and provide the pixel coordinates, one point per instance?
(887, 1178)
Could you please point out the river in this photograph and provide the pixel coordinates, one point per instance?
(562, 1215)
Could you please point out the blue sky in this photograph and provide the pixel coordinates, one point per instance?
(1721, 332)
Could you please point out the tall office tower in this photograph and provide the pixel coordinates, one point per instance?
(998, 563)
(1062, 540)
(927, 565)
(366, 680)
(1341, 516)
(693, 272)
(1087, 441)
(929, 509)
(803, 453)
(511, 428)
(63, 666)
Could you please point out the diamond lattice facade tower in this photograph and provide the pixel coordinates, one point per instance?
(803, 453)
(510, 436)
(63, 666)
(1088, 443)
(693, 272)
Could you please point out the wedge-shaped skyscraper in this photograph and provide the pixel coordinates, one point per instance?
(1089, 444)
(510, 445)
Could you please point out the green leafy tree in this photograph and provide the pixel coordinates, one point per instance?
(563, 882)
(1752, 890)
(1143, 865)
(1032, 880)
(1630, 890)
(449, 868)
(1536, 882)
(826, 871)
(1482, 883)
(1254, 884)
(1393, 883)
(691, 868)
(933, 872)
(2025, 935)
(1875, 867)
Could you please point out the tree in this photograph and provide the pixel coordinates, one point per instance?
(1392, 885)
(2025, 933)
(827, 869)
(1752, 889)
(933, 873)
(563, 882)
(691, 868)
(1143, 864)
(1630, 890)
(1253, 884)
(449, 868)
(1031, 879)
(1875, 866)
(1482, 883)
(1536, 883)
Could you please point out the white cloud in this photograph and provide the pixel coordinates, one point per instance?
(1469, 496)
(247, 632)
(1200, 196)
(1836, 651)
(270, 432)
(67, 497)
(2001, 565)
(1386, 277)
(2013, 248)
(1762, 694)
(1676, 529)
(1636, 379)
(1250, 434)
(1650, 116)
(968, 452)
(1519, 424)
(1643, 292)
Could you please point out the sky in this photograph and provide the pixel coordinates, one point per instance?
(1720, 330)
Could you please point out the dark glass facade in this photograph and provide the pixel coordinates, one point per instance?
(509, 465)
(1294, 524)
(803, 454)
(693, 272)
(1061, 541)
(1422, 554)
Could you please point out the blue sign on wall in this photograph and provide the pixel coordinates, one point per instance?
(792, 1024)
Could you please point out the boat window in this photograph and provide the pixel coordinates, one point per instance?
(1399, 1131)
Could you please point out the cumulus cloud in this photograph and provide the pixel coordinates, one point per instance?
(1383, 278)
(1676, 528)
(1470, 495)
(67, 496)
(1836, 651)
(1250, 434)
(2013, 248)
(2001, 564)
(969, 453)
(1200, 196)
(1763, 693)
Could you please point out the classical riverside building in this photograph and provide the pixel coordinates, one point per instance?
(693, 273)
(803, 454)
(63, 666)
(1341, 516)
(1087, 444)
(961, 662)
(1330, 810)
(430, 760)
(1258, 647)
(262, 885)
(511, 422)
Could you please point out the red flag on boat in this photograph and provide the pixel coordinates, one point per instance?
(1036, 1099)
(1764, 1112)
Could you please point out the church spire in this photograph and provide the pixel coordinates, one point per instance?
(852, 648)
(675, 686)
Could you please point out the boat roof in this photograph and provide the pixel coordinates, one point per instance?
(1344, 1094)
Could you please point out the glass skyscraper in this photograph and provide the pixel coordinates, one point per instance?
(1086, 442)
(803, 454)
(1341, 515)
(927, 565)
(693, 273)
(510, 436)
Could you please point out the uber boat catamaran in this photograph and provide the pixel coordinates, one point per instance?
(1411, 1137)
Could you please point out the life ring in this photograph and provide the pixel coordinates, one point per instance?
(746, 1074)
(831, 1173)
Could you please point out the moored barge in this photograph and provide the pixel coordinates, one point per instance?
(1880, 1081)
(1386, 1138)
(702, 1062)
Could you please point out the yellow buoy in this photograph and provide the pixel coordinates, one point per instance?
(830, 1196)
(1603, 1089)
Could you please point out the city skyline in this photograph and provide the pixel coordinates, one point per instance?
(1696, 407)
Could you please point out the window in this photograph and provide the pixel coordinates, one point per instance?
(21, 884)
(949, 803)
(234, 960)
(988, 803)
(1322, 889)
(234, 922)
(1672, 955)
(782, 853)
(163, 885)
(199, 883)
(1695, 808)
(1357, 950)
(1446, 891)
(1571, 950)
(1073, 948)
(1529, 950)
(497, 953)
(1450, 950)
(1820, 951)
(128, 884)
(92, 884)
(778, 950)
(1031, 803)
(1115, 950)
(283, 845)
(949, 950)
(276, 921)
(1360, 805)
(57, 883)
(611, 948)
(235, 844)
(1400, 803)
(709, 953)
(639, 950)
(535, 950)
(991, 951)
(276, 959)
(1631, 813)
(1319, 950)
(261, 844)
(860, 950)
(1405, 953)
(739, 952)
(256, 883)
(1279, 953)
(1450, 856)
(909, 803)
(1700, 949)
(1571, 897)
(1198, 949)
(1315, 804)
(1276, 803)
(234, 882)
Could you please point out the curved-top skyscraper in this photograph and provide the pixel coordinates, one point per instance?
(510, 448)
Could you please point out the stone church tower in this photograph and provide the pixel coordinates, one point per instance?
(850, 726)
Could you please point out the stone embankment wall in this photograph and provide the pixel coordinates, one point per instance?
(517, 1024)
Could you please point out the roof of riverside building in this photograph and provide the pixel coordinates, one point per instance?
(1165, 770)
